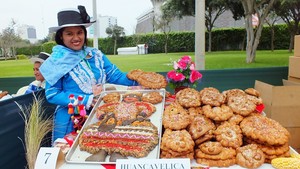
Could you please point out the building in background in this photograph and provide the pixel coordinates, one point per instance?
(27, 32)
(103, 23)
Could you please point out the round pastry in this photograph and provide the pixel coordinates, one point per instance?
(111, 97)
(250, 156)
(134, 74)
(269, 149)
(178, 141)
(188, 97)
(132, 96)
(222, 113)
(241, 105)
(152, 97)
(264, 130)
(229, 135)
(199, 126)
(211, 147)
(226, 153)
(253, 92)
(175, 117)
(212, 96)
(152, 80)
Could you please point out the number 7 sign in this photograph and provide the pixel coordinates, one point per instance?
(48, 157)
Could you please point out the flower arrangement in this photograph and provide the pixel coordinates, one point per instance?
(184, 73)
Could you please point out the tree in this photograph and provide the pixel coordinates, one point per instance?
(271, 21)
(9, 40)
(213, 8)
(261, 8)
(289, 11)
(163, 23)
(115, 32)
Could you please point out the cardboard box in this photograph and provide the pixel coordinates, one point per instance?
(294, 66)
(295, 137)
(294, 79)
(297, 45)
(282, 103)
(290, 83)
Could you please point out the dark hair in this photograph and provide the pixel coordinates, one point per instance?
(59, 40)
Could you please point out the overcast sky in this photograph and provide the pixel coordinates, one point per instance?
(42, 14)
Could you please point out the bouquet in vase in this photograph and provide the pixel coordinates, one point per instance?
(184, 73)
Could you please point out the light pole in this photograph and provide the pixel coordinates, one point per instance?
(96, 27)
(200, 34)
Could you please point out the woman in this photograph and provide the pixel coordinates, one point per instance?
(39, 82)
(77, 68)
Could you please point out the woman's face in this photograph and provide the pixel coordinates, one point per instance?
(36, 72)
(73, 37)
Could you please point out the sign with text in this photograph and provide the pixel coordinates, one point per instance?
(49, 157)
(175, 163)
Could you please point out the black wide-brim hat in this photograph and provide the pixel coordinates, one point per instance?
(41, 58)
(72, 17)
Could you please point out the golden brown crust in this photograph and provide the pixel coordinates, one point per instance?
(212, 96)
(264, 130)
(199, 126)
(132, 96)
(175, 117)
(152, 97)
(216, 163)
(235, 119)
(206, 137)
(221, 113)
(226, 153)
(178, 141)
(165, 154)
(188, 97)
(152, 80)
(241, 105)
(112, 97)
(229, 135)
(211, 147)
(134, 74)
(3, 93)
(250, 156)
(269, 149)
(194, 111)
(252, 91)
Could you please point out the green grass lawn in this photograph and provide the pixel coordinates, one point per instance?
(163, 62)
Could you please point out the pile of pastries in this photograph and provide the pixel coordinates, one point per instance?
(221, 129)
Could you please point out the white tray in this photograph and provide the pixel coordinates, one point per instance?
(75, 155)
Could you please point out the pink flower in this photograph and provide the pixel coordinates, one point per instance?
(186, 59)
(177, 77)
(192, 66)
(182, 64)
(175, 65)
(195, 75)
